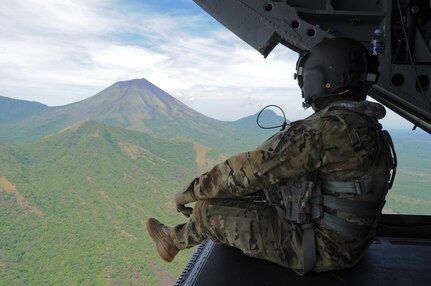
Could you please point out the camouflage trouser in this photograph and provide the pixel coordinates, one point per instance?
(255, 228)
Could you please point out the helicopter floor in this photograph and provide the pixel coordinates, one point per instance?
(390, 261)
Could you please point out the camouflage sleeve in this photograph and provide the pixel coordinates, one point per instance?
(293, 152)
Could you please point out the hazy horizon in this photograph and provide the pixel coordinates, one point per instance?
(59, 53)
(406, 126)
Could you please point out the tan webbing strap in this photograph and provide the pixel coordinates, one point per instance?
(348, 187)
(308, 248)
(345, 227)
(362, 208)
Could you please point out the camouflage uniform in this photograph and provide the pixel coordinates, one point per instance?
(338, 143)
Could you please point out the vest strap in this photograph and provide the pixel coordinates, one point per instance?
(350, 187)
(308, 248)
(360, 208)
(308, 245)
(345, 227)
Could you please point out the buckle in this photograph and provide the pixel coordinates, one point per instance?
(359, 187)
(307, 226)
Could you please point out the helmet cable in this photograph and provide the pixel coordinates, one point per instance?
(283, 126)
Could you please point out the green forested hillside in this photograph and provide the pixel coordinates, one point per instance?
(73, 203)
(73, 206)
(411, 193)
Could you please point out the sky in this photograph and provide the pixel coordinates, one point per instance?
(62, 51)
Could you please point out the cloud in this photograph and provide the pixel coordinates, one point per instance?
(46, 49)
(51, 17)
(58, 52)
(49, 46)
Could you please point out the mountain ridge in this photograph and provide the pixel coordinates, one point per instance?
(17, 109)
(141, 106)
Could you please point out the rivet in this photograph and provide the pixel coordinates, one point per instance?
(328, 85)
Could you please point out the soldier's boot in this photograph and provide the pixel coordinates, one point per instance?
(160, 234)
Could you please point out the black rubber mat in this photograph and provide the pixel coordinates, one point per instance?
(383, 264)
(393, 260)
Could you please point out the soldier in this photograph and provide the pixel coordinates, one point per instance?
(324, 179)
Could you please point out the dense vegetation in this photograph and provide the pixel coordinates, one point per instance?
(76, 213)
(73, 204)
(411, 193)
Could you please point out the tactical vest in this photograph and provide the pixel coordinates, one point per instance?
(303, 200)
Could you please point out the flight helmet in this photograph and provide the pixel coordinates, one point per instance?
(333, 67)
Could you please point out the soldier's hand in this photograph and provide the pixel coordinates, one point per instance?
(180, 203)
